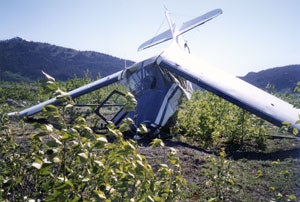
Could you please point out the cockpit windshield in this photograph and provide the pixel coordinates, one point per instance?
(145, 78)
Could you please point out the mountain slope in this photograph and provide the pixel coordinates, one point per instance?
(22, 60)
(282, 78)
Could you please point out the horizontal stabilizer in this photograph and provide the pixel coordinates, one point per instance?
(167, 35)
(199, 20)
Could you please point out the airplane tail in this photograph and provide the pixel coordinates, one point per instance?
(173, 33)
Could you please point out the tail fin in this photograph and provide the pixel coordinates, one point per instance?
(170, 34)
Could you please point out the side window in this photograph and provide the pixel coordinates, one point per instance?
(134, 82)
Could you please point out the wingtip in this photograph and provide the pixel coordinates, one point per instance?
(13, 114)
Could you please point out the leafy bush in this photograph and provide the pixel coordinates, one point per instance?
(68, 162)
(210, 120)
(221, 177)
(20, 92)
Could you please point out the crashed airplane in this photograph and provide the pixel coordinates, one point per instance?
(159, 82)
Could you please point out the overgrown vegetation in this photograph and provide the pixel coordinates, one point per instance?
(65, 160)
(212, 121)
(68, 162)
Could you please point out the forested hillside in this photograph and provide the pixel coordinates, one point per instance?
(22, 60)
(281, 78)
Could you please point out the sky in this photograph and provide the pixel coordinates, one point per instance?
(250, 35)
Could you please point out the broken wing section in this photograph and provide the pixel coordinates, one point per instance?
(230, 88)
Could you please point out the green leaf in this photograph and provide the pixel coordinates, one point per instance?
(131, 103)
(83, 155)
(37, 165)
(222, 154)
(157, 143)
(69, 106)
(66, 136)
(49, 127)
(65, 185)
(140, 163)
(157, 198)
(55, 196)
(46, 186)
(52, 143)
(295, 131)
(50, 108)
(99, 194)
(60, 93)
(128, 146)
(102, 139)
(286, 123)
(51, 86)
(164, 165)
(292, 197)
(142, 129)
(213, 199)
(150, 198)
(45, 171)
(124, 127)
(259, 173)
(56, 160)
(99, 163)
(128, 121)
(272, 188)
(50, 78)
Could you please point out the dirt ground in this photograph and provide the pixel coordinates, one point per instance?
(273, 185)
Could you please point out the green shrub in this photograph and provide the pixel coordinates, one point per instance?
(209, 120)
(20, 92)
(221, 177)
(68, 162)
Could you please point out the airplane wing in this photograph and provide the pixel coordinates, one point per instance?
(230, 88)
(74, 93)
